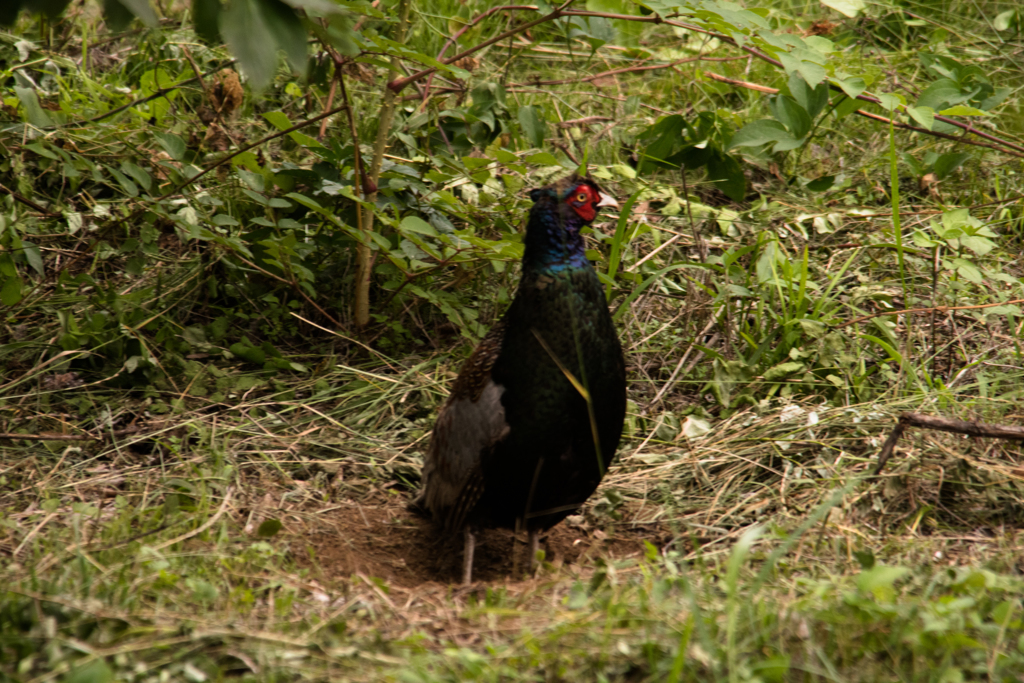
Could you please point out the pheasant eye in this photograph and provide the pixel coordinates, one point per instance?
(581, 197)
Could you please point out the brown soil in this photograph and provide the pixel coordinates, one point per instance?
(393, 544)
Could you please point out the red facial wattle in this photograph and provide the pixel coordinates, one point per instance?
(583, 201)
(586, 201)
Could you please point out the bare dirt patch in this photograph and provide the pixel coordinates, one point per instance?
(389, 542)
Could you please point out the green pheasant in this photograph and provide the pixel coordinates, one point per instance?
(535, 416)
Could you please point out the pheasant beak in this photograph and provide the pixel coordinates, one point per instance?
(606, 200)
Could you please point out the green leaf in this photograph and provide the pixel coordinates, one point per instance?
(880, 578)
(941, 94)
(850, 8)
(10, 292)
(533, 123)
(542, 159)
(96, 671)
(251, 40)
(923, 115)
(812, 99)
(1007, 20)
(247, 351)
(143, 10)
(417, 225)
(138, 174)
(947, 163)
(269, 528)
(172, 144)
(978, 244)
(291, 35)
(727, 175)
(853, 87)
(759, 133)
(821, 184)
(116, 15)
(968, 271)
(35, 114)
(206, 20)
(773, 669)
(891, 101)
(782, 370)
(963, 110)
(35, 258)
(791, 114)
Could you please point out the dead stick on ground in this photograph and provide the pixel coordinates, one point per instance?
(944, 424)
(69, 437)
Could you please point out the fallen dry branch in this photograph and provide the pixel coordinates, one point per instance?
(48, 436)
(928, 309)
(944, 424)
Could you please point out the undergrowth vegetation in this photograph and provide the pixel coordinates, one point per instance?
(231, 309)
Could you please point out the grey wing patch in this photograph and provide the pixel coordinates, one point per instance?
(452, 476)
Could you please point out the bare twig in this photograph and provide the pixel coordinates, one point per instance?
(399, 83)
(927, 309)
(28, 202)
(944, 424)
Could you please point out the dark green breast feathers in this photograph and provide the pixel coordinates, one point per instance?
(535, 416)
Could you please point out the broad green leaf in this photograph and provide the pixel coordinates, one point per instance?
(789, 112)
(542, 159)
(853, 87)
(138, 174)
(34, 112)
(269, 528)
(143, 10)
(976, 243)
(963, 110)
(782, 370)
(880, 579)
(1007, 20)
(812, 99)
(923, 115)
(10, 292)
(251, 40)
(289, 32)
(942, 94)
(949, 162)
(821, 184)
(890, 101)
(968, 270)
(727, 175)
(417, 225)
(206, 19)
(116, 15)
(850, 8)
(130, 188)
(96, 671)
(35, 258)
(759, 133)
(172, 144)
(788, 143)
(533, 123)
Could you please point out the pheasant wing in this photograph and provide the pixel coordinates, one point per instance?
(471, 422)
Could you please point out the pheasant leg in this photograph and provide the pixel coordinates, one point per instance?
(467, 557)
(534, 544)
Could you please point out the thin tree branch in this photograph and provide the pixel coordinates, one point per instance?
(866, 114)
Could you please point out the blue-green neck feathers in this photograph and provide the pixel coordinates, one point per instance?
(553, 241)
